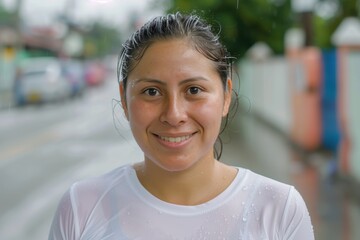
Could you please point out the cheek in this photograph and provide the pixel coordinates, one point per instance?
(210, 114)
(140, 115)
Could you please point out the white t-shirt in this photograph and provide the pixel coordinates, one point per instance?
(116, 206)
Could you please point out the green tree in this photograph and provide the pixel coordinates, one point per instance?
(326, 26)
(242, 23)
(6, 17)
(102, 40)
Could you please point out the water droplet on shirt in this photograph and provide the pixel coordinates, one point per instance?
(245, 188)
(244, 219)
(243, 203)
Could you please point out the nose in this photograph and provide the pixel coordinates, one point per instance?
(174, 111)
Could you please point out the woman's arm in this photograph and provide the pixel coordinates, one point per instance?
(64, 225)
(296, 222)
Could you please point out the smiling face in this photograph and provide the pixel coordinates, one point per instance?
(174, 102)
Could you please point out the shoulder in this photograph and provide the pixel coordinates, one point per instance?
(95, 187)
(85, 195)
(272, 191)
(86, 200)
(90, 195)
(266, 187)
(270, 195)
(280, 205)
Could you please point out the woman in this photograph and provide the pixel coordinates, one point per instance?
(175, 90)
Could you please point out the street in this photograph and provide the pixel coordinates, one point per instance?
(45, 148)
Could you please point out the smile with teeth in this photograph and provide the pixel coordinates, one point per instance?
(175, 139)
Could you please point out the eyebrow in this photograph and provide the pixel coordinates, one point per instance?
(148, 80)
(182, 82)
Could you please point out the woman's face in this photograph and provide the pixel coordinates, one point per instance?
(174, 102)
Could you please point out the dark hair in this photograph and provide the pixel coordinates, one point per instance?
(176, 26)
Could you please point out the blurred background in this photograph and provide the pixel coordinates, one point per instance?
(296, 70)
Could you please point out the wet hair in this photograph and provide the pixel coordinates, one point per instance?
(176, 26)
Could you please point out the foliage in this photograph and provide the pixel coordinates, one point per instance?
(324, 28)
(6, 17)
(100, 40)
(242, 23)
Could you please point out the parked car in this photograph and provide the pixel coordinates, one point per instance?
(41, 79)
(95, 73)
(74, 72)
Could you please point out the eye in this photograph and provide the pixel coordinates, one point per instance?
(152, 92)
(193, 90)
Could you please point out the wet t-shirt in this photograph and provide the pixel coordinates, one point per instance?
(116, 206)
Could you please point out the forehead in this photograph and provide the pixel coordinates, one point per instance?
(173, 50)
(173, 58)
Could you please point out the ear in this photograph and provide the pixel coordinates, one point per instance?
(227, 99)
(122, 91)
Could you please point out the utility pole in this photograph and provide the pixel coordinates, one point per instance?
(18, 7)
(305, 10)
(306, 19)
(69, 10)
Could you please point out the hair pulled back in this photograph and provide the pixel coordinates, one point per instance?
(174, 26)
(177, 26)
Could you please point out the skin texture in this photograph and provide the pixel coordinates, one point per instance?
(174, 102)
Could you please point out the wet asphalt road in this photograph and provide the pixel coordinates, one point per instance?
(44, 148)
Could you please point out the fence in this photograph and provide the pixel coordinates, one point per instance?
(313, 97)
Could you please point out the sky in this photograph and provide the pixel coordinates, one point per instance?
(118, 12)
(42, 12)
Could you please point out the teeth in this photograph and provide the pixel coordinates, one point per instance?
(175, 139)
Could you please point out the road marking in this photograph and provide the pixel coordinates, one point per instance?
(26, 145)
(74, 127)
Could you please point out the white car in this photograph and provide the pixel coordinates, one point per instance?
(41, 79)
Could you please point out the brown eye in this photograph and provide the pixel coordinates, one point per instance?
(194, 90)
(152, 92)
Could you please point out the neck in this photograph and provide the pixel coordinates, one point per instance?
(195, 185)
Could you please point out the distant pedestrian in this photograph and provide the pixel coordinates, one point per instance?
(175, 86)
